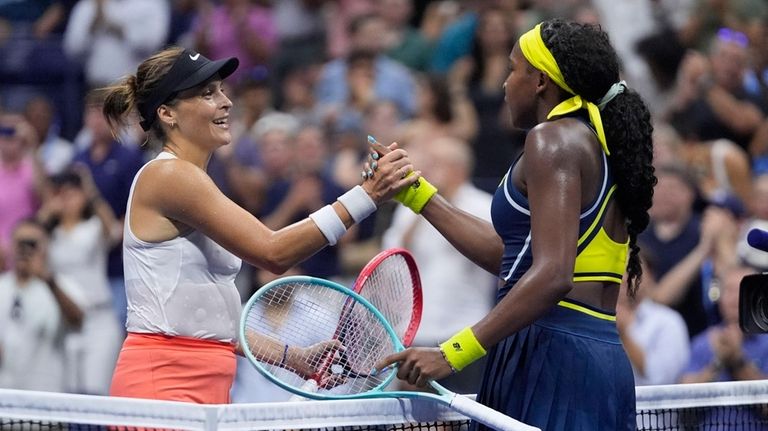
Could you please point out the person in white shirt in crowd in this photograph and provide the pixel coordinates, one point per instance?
(83, 230)
(53, 152)
(111, 37)
(37, 309)
(654, 335)
(456, 292)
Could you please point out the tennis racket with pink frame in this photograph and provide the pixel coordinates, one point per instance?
(391, 282)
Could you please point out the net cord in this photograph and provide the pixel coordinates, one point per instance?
(98, 410)
(701, 395)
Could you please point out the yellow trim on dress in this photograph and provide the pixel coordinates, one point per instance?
(586, 310)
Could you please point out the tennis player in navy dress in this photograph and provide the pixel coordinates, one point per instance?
(565, 223)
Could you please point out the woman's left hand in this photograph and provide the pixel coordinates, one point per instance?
(418, 365)
(306, 360)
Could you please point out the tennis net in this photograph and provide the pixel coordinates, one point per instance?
(702, 407)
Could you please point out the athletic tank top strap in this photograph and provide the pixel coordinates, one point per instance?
(600, 258)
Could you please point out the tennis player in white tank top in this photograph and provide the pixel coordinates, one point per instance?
(184, 238)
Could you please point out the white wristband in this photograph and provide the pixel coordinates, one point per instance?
(329, 224)
(358, 203)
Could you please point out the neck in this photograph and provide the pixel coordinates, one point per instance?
(186, 151)
(552, 96)
(11, 163)
(22, 277)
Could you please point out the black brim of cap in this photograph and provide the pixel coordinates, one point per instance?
(223, 68)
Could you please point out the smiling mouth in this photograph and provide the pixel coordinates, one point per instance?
(222, 122)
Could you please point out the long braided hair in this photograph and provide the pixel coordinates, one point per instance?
(590, 66)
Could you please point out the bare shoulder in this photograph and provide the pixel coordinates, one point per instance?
(164, 182)
(562, 141)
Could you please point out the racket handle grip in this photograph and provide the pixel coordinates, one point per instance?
(487, 415)
(309, 386)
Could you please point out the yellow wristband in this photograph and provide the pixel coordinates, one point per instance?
(417, 195)
(462, 349)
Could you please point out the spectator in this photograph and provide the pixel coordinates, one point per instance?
(390, 80)
(456, 292)
(84, 229)
(708, 16)
(55, 153)
(723, 352)
(304, 185)
(719, 167)
(663, 53)
(110, 37)
(38, 19)
(382, 120)
(235, 168)
(481, 75)
(654, 335)
(710, 101)
(403, 42)
(112, 166)
(441, 112)
(236, 28)
(21, 178)
(302, 34)
(455, 40)
(681, 242)
(340, 15)
(37, 309)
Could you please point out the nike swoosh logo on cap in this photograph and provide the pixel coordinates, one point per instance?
(194, 57)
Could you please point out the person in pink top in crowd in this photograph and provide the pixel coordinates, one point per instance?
(21, 179)
(236, 28)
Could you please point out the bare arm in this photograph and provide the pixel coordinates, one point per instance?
(739, 172)
(188, 196)
(708, 374)
(472, 236)
(743, 117)
(553, 178)
(111, 226)
(671, 288)
(71, 312)
(464, 125)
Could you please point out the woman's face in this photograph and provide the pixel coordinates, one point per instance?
(73, 200)
(672, 198)
(493, 31)
(203, 115)
(520, 90)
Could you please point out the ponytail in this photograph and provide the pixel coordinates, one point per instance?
(628, 131)
(590, 67)
(119, 101)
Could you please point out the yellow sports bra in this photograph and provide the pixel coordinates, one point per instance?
(599, 257)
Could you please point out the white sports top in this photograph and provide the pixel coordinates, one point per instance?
(184, 286)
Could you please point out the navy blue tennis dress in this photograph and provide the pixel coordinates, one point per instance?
(568, 369)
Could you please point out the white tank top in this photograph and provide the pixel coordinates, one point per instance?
(183, 287)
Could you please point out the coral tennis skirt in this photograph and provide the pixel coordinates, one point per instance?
(174, 368)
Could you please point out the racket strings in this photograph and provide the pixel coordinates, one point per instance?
(390, 289)
(304, 314)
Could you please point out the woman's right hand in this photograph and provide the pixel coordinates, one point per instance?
(388, 171)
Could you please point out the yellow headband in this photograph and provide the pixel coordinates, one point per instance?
(534, 50)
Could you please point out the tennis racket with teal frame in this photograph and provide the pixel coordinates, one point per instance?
(301, 311)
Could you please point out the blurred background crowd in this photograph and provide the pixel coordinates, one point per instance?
(316, 77)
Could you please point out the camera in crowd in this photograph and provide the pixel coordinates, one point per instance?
(753, 291)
